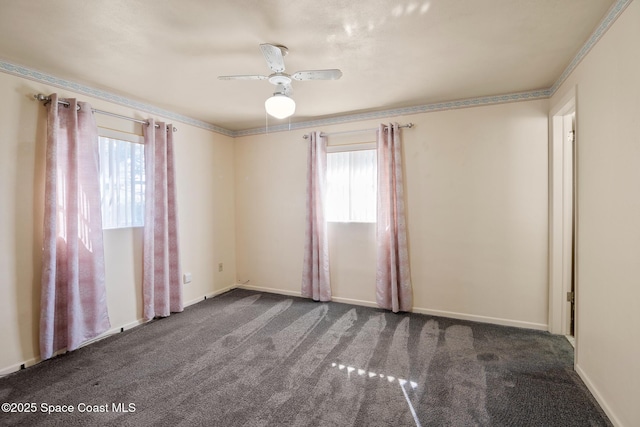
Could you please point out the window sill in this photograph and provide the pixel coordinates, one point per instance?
(351, 222)
(123, 228)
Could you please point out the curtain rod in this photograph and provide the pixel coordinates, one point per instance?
(306, 136)
(41, 97)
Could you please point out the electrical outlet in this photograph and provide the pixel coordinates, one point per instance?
(220, 267)
(186, 278)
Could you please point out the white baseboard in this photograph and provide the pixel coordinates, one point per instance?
(210, 295)
(298, 294)
(269, 290)
(462, 316)
(110, 332)
(596, 394)
(16, 367)
(115, 330)
(354, 301)
(483, 319)
(450, 314)
(35, 360)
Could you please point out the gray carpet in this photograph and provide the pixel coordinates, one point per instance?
(255, 359)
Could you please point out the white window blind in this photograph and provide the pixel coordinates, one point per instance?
(351, 186)
(122, 183)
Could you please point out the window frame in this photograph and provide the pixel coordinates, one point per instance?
(109, 133)
(348, 148)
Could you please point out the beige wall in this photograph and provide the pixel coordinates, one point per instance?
(204, 164)
(476, 184)
(608, 162)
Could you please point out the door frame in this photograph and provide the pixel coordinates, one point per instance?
(561, 267)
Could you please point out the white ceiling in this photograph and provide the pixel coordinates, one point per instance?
(393, 54)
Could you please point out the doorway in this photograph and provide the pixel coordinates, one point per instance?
(562, 219)
(568, 210)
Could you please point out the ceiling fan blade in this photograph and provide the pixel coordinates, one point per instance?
(273, 56)
(243, 77)
(333, 74)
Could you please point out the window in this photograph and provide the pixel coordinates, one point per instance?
(351, 186)
(122, 182)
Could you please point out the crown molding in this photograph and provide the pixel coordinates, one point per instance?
(614, 12)
(427, 108)
(48, 79)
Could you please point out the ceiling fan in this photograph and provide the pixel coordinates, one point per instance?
(281, 105)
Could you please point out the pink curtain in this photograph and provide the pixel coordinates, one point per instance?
(393, 277)
(161, 284)
(73, 300)
(316, 282)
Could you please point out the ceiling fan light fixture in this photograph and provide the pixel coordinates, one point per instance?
(280, 106)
